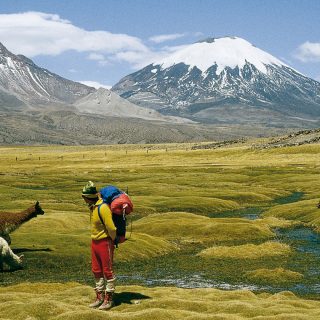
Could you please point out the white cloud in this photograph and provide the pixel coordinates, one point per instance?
(96, 56)
(37, 33)
(166, 37)
(100, 58)
(138, 61)
(308, 52)
(95, 84)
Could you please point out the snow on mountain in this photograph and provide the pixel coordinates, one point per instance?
(20, 77)
(210, 52)
(210, 81)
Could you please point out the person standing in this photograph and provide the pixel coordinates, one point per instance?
(103, 233)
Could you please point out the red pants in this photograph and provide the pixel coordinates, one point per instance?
(102, 258)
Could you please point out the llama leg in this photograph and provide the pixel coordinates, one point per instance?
(7, 238)
(11, 259)
(2, 244)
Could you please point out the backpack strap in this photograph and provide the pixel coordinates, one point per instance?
(100, 215)
(116, 240)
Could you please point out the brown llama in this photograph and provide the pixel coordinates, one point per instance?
(10, 221)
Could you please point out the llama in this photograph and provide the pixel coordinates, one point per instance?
(8, 257)
(10, 221)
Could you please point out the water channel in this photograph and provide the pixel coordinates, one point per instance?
(306, 260)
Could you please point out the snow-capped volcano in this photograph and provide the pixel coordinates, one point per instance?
(225, 80)
(207, 53)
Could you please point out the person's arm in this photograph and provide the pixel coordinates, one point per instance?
(106, 216)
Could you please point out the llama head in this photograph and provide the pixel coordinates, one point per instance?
(38, 209)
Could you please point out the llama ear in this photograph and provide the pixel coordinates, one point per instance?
(37, 204)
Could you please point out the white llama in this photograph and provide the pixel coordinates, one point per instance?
(8, 257)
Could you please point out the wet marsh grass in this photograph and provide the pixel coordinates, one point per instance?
(69, 301)
(248, 251)
(183, 199)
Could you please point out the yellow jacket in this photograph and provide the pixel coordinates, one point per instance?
(98, 231)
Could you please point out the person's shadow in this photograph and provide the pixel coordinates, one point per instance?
(128, 297)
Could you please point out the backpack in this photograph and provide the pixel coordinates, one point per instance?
(120, 205)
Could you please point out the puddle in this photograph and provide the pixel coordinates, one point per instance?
(293, 197)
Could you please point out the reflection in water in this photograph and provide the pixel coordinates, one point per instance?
(194, 281)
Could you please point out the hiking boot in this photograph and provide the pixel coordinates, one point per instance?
(108, 302)
(99, 300)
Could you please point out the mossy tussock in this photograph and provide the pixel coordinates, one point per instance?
(304, 211)
(67, 234)
(274, 276)
(274, 222)
(70, 301)
(248, 251)
(182, 225)
(143, 246)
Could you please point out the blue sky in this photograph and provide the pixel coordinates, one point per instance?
(103, 40)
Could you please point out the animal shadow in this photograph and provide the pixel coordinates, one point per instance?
(128, 297)
(10, 270)
(19, 250)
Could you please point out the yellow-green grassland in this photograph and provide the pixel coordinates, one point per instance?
(227, 233)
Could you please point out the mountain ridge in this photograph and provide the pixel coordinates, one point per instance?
(24, 86)
(36, 86)
(172, 86)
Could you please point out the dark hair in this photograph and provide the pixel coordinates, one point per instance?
(91, 199)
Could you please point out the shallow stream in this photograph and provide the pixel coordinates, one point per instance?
(306, 260)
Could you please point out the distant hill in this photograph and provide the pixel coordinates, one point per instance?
(108, 103)
(71, 128)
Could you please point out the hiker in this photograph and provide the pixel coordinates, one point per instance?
(102, 247)
(8, 257)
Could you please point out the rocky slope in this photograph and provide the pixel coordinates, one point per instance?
(108, 103)
(35, 86)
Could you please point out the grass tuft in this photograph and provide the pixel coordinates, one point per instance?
(248, 251)
(196, 228)
(274, 276)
